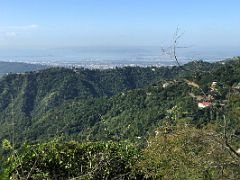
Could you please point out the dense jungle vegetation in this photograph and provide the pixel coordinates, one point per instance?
(123, 123)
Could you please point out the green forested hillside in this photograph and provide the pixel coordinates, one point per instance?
(156, 108)
(93, 104)
(27, 98)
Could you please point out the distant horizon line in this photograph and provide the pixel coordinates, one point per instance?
(36, 47)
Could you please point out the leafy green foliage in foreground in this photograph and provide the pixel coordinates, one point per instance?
(122, 104)
(189, 153)
(102, 160)
(178, 151)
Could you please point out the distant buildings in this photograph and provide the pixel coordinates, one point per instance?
(203, 105)
(165, 85)
(237, 86)
(238, 151)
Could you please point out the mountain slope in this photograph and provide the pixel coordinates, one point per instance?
(110, 104)
(24, 97)
(18, 67)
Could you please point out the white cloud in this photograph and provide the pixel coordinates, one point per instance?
(24, 27)
(11, 34)
(32, 26)
(13, 31)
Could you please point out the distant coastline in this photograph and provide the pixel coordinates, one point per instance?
(110, 57)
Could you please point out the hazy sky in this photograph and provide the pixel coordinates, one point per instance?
(73, 23)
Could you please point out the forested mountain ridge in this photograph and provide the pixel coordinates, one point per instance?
(24, 96)
(75, 101)
(156, 109)
(18, 67)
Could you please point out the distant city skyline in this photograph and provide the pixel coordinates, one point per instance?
(29, 26)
